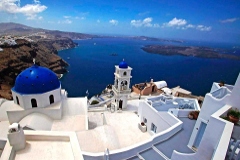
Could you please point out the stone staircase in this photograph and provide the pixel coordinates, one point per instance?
(149, 154)
(96, 119)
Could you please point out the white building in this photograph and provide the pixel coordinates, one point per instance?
(58, 127)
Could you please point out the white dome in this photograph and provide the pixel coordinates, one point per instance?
(160, 84)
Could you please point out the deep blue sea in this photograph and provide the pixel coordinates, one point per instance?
(92, 66)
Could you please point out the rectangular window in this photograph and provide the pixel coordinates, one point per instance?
(153, 128)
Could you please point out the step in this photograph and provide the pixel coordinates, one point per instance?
(159, 152)
(134, 158)
(151, 154)
(95, 120)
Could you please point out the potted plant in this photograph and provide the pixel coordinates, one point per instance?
(234, 115)
(193, 115)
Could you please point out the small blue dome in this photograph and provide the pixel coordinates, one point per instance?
(35, 80)
(123, 64)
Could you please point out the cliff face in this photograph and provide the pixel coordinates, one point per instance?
(14, 59)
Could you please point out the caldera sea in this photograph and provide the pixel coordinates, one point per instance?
(92, 66)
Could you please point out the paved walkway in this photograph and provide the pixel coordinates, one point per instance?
(98, 139)
(70, 123)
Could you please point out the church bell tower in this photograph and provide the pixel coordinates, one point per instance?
(121, 87)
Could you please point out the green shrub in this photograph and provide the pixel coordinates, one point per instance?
(234, 112)
(94, 102)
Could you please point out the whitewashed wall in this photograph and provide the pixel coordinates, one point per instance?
(215, 87)
(54, 113)
(210, 106)
(162, 120)
(235, 96)
(42, 99)
(215, 140)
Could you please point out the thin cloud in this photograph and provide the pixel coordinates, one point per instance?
(37, 1)
(143, 13)
(136, 23)
(84, 14)
(156, 25)
(183, 24)
(190, 26)
(82, 18)
(29, 10)
(176, 22)
(66, 17)
(203, 28)
(51, 22)
(72, 18)
(113, 22)
(147, 22)
(67, 21)
(230, 20)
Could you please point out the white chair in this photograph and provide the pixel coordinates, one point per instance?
(234, 150)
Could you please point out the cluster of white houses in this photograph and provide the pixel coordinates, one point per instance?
(38, 100)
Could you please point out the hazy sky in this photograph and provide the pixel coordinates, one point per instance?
(215, 20)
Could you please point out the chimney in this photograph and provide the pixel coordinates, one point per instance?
(16, 137)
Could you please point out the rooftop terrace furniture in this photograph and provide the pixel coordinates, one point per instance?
(233, 150)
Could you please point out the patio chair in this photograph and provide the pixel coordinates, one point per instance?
(234, 150)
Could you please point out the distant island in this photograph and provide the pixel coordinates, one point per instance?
(203, 52)
(145, 38)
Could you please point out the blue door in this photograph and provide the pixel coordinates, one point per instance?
(200, 134)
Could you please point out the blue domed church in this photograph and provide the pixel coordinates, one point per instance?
(39, 103)
(36, 87)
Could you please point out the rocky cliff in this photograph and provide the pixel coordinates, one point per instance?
(14, 59)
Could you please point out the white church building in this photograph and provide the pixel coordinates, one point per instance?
(42, 123)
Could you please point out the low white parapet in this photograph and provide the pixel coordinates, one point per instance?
(67, 142)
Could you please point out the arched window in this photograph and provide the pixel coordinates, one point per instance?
(120, 104)
(124, 73)
(34, 102)
(17, 100)
(124, 85)
(51, 99)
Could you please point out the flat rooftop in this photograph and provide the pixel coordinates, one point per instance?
(120, 130)
(164, 103)
(42, 150)
(44, 145)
